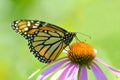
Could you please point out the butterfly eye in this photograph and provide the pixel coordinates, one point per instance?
(45, 40)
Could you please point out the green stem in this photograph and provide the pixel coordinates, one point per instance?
(87, 65)
(78, 76)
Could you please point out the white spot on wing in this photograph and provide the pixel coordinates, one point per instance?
(16, 28)
(19, 30)
(25, 33)
(36, 24)
(17, 21)
(35, 27)
(28, 23)
(15, 25)
(26, 29)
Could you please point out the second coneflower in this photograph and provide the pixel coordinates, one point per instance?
(74, 66)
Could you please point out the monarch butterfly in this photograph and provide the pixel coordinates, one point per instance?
(45, 40)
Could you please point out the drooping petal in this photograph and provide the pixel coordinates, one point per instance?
(71, 71)
(65, 73)
(34, 73)
(113, 70)
(73, 75)
(56, 75)
(98, 72)
(83, 73)
(50, 70)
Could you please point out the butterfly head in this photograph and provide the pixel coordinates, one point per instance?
(69, 37)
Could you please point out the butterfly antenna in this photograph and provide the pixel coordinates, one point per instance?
(77, 38)
(82, 34)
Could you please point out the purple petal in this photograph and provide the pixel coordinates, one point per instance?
(113, 70)
(50, 70)
(98, 72)
(83, 73)
(58, 73)
(62, 76)
(65, 73)
(71, 71)
(73, 75)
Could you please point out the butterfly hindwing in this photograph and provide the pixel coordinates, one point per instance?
(46, 45)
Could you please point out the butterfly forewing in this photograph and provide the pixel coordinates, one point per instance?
(45, 40)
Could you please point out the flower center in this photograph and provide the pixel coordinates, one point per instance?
(81, 53)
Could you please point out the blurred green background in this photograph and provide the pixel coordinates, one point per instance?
(98, 18)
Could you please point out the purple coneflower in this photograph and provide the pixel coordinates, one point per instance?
(81, 56)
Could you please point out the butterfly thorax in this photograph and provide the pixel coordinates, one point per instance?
(68, 37)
